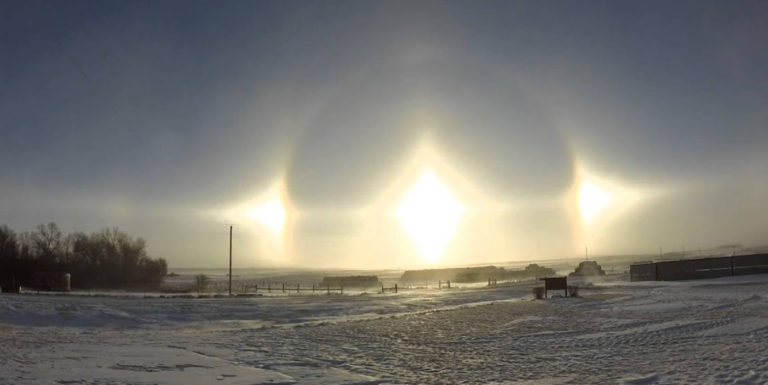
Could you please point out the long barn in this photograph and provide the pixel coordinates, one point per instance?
(700, 268)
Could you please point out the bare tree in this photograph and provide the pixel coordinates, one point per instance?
(47, 240)
(9, 246)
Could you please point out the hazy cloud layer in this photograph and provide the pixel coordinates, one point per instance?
(151, 116)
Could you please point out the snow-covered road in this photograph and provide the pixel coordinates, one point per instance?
(712, 331)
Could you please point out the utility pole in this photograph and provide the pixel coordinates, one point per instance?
(586, 253)
(230, 259)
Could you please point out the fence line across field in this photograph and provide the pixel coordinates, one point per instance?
(270, 287)
(257, 286)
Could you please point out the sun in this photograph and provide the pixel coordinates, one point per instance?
(430, 213)
(271, 214)
(592, 200)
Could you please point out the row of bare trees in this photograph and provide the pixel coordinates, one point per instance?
(109, 259)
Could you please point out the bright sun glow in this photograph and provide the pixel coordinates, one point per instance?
(592, 200)
(430, 214)
(271, 214)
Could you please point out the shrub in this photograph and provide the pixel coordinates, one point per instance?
(201, 282)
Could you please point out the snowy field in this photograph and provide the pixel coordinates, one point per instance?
(697, 332)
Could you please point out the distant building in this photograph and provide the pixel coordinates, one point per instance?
(536, 271)
(699, 268)
(587, 269)
(357, 281)
(456, 274)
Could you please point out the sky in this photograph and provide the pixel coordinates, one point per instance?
(387, 134)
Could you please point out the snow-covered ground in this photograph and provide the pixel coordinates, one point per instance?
(696, 332)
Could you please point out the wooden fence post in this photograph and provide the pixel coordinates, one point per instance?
(731, 260)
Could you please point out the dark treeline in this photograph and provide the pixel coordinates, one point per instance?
(107, 259)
